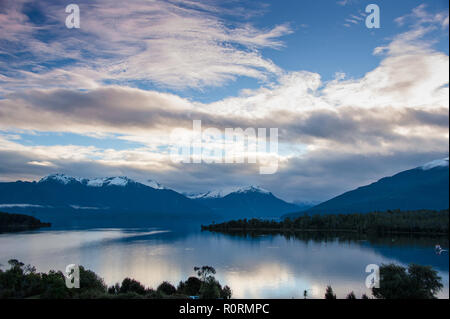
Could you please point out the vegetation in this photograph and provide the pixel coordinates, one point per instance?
(416, 282)
(329, 294)
(18, 222)
(397, 282)
(22, 281)
(423, 221)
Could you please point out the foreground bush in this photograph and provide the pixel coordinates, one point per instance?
(20, 281)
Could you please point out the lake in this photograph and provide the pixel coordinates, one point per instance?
(265, 266)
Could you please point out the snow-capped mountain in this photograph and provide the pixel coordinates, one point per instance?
(423, 187)
(61, 178)
(226, 191)
(244, 202)
(153, 184)
(436, 163)
(99, 182)
(59, 193)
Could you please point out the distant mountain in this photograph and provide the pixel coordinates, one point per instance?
(244, 202)
(59, 193)
(424, 187)
(305, 205)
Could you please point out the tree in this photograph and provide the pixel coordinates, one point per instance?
(190, 287)
(166, 288)
(226, 293)
(329, 294)
(114, 290)
(351, 295)
(89, 280)
(131, 286)
(210, 289)
(416, 282)
(204, 272)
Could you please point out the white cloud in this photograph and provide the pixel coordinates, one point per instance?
(385, 114)
(168, 43)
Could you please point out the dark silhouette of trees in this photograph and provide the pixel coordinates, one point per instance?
(166, 288)
(130, 286)
(204, 272)
(17, 222)
(416, 282)
(22, 281)
(210, 288)
(226, 293)
(422, 221)
(190, 287)
(351, 296)
(329, 294)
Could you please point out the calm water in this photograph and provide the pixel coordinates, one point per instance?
(254, 267)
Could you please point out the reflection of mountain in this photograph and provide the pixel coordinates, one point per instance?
(424, 187)
(245, 202)
(403, 249)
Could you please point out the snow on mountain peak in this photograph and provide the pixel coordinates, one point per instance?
(99, 182)
(436, 163)
(256, 189)
(109, 181)
(61, 178)
(153, 184)
(227, 191)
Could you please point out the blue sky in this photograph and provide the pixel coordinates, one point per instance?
(322, 43)
(351, 104)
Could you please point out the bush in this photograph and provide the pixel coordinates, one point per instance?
(166, 288)
(418, 282)
(329, 294)
(131, 286)
(190, 287)
(351, 296)
(210, 289)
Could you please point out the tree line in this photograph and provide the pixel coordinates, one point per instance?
(17, 222)
(398, 282)
(395, 221)
(23, 281)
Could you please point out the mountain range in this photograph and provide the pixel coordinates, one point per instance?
(248, 202)
(64, 195)
(424, 187)
(59, 195)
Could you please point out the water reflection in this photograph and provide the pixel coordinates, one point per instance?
(254, 266)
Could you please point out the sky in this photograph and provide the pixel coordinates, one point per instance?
(351, 104)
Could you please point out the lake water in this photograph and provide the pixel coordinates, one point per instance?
(268, 266)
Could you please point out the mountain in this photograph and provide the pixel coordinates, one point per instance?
(244, 202)
(60, 193)
(424, 187)
(305, 205)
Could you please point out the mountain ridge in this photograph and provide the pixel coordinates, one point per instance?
(423, 187)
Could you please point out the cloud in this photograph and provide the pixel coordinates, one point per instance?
(419, 16)
(334, 135)
(168, 43)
